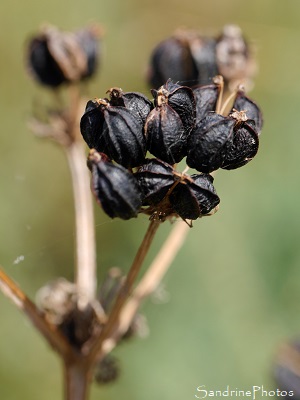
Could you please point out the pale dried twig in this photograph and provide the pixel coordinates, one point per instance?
(49, 331)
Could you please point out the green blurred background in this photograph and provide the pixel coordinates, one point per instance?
(234, 290)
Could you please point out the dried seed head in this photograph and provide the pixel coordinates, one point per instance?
(114, 187)
(56, 57)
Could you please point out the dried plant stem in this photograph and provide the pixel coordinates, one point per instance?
(149, 282)
(49, 331)
(125, 290)
(76, 381)
(86, 278)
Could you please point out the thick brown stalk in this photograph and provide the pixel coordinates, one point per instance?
(76, 381)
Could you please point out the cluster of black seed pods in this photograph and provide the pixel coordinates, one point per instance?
(192, 58)
(182, 122)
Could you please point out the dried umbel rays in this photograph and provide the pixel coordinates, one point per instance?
(189, 57)
(55, 57)
(182, 122)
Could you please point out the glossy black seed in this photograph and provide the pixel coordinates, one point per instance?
(207, 142)
(92, 122)
(195, 197)
(172, 59)
(136, 102)
(114, 131)
(243, 103)
(206, 98)
(181, 99)
(114, 188)
(155, 178)
(166, 136)
(125, 140)
(243, 147)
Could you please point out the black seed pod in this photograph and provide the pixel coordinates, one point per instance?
(181, 99)
(194, 197)
(155, 178)
(114, 131)
(166, 137)
(204, 55)
(107, 370)
(244, 144)
(92, 123)
(252, 111)
(172, 59)
(114, 187)
(207, 142)
(206, 98)
(136, 102)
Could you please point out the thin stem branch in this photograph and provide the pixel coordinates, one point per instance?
(49, 331)
(148, 283)
(125, 290)
(86, 277)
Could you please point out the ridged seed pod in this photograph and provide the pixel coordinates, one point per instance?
(170, 123)
(181, 99)
(114, 131)
(165, 133)
(194, 197)
(114, 187)
(155, 178)
(244, 144)
(136, 102)
(207, 143)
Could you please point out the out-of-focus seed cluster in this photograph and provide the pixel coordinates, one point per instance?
(182, 122)
(55, 57)
(189, 57)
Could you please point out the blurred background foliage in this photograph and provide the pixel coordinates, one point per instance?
(234, 290)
